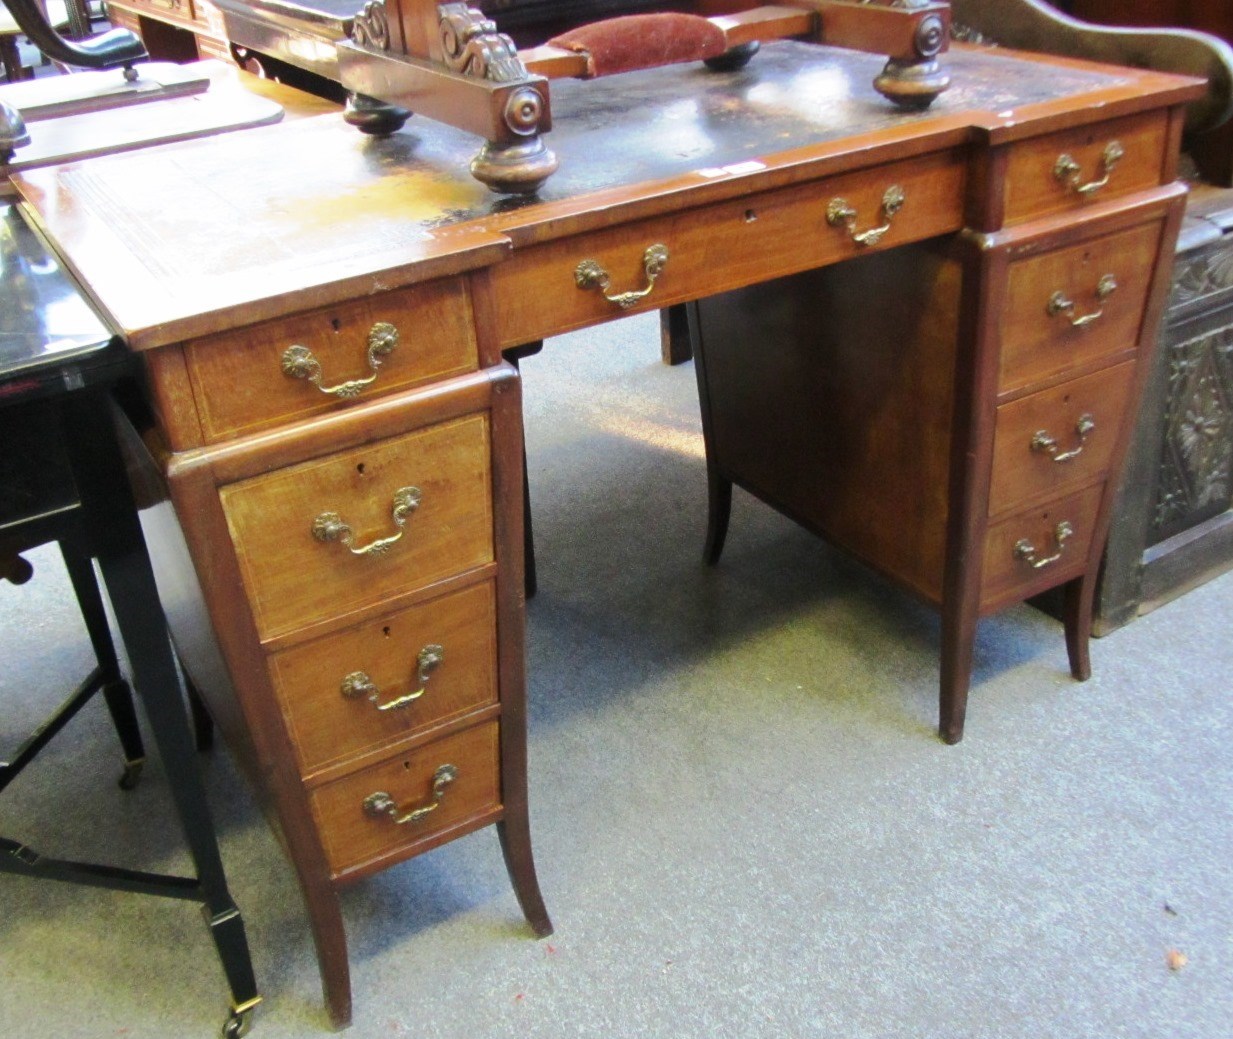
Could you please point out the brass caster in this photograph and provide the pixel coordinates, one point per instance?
(514, 169)
(373, 117)
(238, 1024)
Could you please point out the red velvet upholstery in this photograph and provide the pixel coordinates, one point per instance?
(642, 41)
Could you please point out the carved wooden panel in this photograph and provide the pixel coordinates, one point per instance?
(1195, 478)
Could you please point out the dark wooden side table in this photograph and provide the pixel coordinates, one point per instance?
(1176, 507)
(58, 368)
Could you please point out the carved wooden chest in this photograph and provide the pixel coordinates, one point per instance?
(1176, 509)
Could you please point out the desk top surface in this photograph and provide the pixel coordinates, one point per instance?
(173, 241)
(233, 100)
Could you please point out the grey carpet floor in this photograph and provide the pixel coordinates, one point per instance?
(744, 824)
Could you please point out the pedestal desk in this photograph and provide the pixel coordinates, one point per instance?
(359, 551)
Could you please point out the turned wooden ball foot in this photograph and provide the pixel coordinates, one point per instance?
(913, 85)
(514, 169)
(370, 116)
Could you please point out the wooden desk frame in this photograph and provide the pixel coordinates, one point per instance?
(986, 184)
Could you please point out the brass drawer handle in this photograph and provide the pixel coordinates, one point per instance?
(329, 526)
(1042, 441)
(840, 214)
(1060, 303)
(1025, 551)
(1068, 171)
(298, 362)
(358, 684)
(381, 804)
(590, 275)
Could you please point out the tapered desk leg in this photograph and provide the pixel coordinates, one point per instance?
(330, 939)
(515, 835)
(958, 639)
(514, 356)
(1078, 601)
(129, 579)
(675, 345)
(718, 512)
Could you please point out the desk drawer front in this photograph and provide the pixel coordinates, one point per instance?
(725, 246)
(1058, 439)
(458, 774)
(1039, 547)
(182, 9)
(419, 508)
(1072, 306)
(260, 376)
(1064, 170)
(382, 681)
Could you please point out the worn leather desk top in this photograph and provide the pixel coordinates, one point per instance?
(174, 241)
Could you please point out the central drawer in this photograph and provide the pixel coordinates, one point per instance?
(416, 508)
(727, 245)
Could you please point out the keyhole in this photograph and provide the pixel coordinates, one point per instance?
(335, 324)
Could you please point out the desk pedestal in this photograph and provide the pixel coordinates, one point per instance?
(962, 434)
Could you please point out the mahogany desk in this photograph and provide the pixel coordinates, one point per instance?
(359, 551)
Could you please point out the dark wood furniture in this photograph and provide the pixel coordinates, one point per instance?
(1175, 527)
(64, 479)
(674, 185)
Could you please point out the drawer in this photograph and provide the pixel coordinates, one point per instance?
(218, 49)
(1039, 547)
(178, 9)
(122, 19)
(290, 527)
(1040, 180)
(372, 814)
(1069, 307)
(724, 246)
(1059, 439)
(261, 376)
(378, 682)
